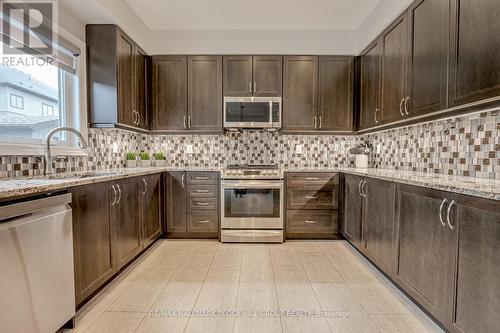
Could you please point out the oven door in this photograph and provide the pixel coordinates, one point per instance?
(252, 112)
(252, 204)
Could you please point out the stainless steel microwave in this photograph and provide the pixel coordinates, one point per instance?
(252, 113)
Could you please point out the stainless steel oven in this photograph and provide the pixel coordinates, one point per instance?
(252, 113)
(252, 207)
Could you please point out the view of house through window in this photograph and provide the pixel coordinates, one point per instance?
(31, 99)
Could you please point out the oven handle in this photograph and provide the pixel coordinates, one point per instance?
(243, 185)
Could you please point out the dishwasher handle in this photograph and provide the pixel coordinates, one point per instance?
(29, 207)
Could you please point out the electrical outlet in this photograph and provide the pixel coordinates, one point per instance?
(189, 149)
(115, 147)
(299, 148)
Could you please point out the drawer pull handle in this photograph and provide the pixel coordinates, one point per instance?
(202, 191)
(202, 178)
(311, 221)
(311, 197)
(203, 203)
(312, 178)
(203, 221)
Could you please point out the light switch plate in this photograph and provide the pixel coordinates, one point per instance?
(379, 149)
(189, 149)
(299, 149)
(115, 147)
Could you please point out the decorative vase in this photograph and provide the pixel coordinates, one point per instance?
(131, 163)
(160, 163)
(145, 163)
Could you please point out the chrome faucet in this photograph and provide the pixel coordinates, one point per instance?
(47, 165)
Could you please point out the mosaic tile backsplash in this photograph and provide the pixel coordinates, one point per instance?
(468, 145)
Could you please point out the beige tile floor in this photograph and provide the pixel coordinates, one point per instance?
(205, 286)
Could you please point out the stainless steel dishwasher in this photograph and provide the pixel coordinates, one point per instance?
(36, 265)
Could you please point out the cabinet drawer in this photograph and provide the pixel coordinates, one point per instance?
(312, 221)
(202, 221)
(203, 203)
(202, 191)
(313, 178)
(204, 178)
(311, 198)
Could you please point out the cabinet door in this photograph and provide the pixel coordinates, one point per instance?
(267, 76)
(335, 108)
(176, 202)
(475, 51)
(205, 93)
(125, 53)
(426, 248)
(478, 270)
(93, 254)
(394, 46)
(151, 208)
(353, 211)
(428, 60)
(300, 81)
(370, 87)
(378, 223)
(238, 76)
(170, 93)
(141, 88)
(126, 222)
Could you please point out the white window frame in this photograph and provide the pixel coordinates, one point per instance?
(16, 99)
(76, 117)
(48, 108)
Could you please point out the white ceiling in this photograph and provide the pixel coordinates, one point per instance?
(253, 14)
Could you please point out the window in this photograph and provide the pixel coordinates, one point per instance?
(16, 101)
(47, 110)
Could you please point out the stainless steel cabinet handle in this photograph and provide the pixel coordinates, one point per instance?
(114, 196)
(135, 117)
(189, 122)
(315, 121)
(183, 179)
(184, 121)
(320, 122)
(202, 178)
(441, 211)
(255, 87)
(203, 221)
(407, 99)
(202, 191)
(140, 118)
(311, 221)
(203, 203)
(312, 178)
(250, 87)
(311, 197)
(363, 189)
(401, 107)
(145, 186)
(448, 215)
(359, 188)
(119, 194)
(375, 115)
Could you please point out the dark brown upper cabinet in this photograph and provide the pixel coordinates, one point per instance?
(394, 56)
(116, 80)
(428, 57)
(370, 86)
(253, 76)
(300, 93)
(335, 99)
(475, 51)
(169, 93)
(205, 93)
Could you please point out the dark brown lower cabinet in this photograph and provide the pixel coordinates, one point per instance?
(353, 209)
(477, 279)
(192, 204)
(112, 223)
(312, 205)
(151, 208)
(94, 256)
(427, 248)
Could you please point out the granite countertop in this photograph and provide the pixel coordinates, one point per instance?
(484, 188)
(479, 187)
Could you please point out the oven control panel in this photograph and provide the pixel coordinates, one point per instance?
(252, 174)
